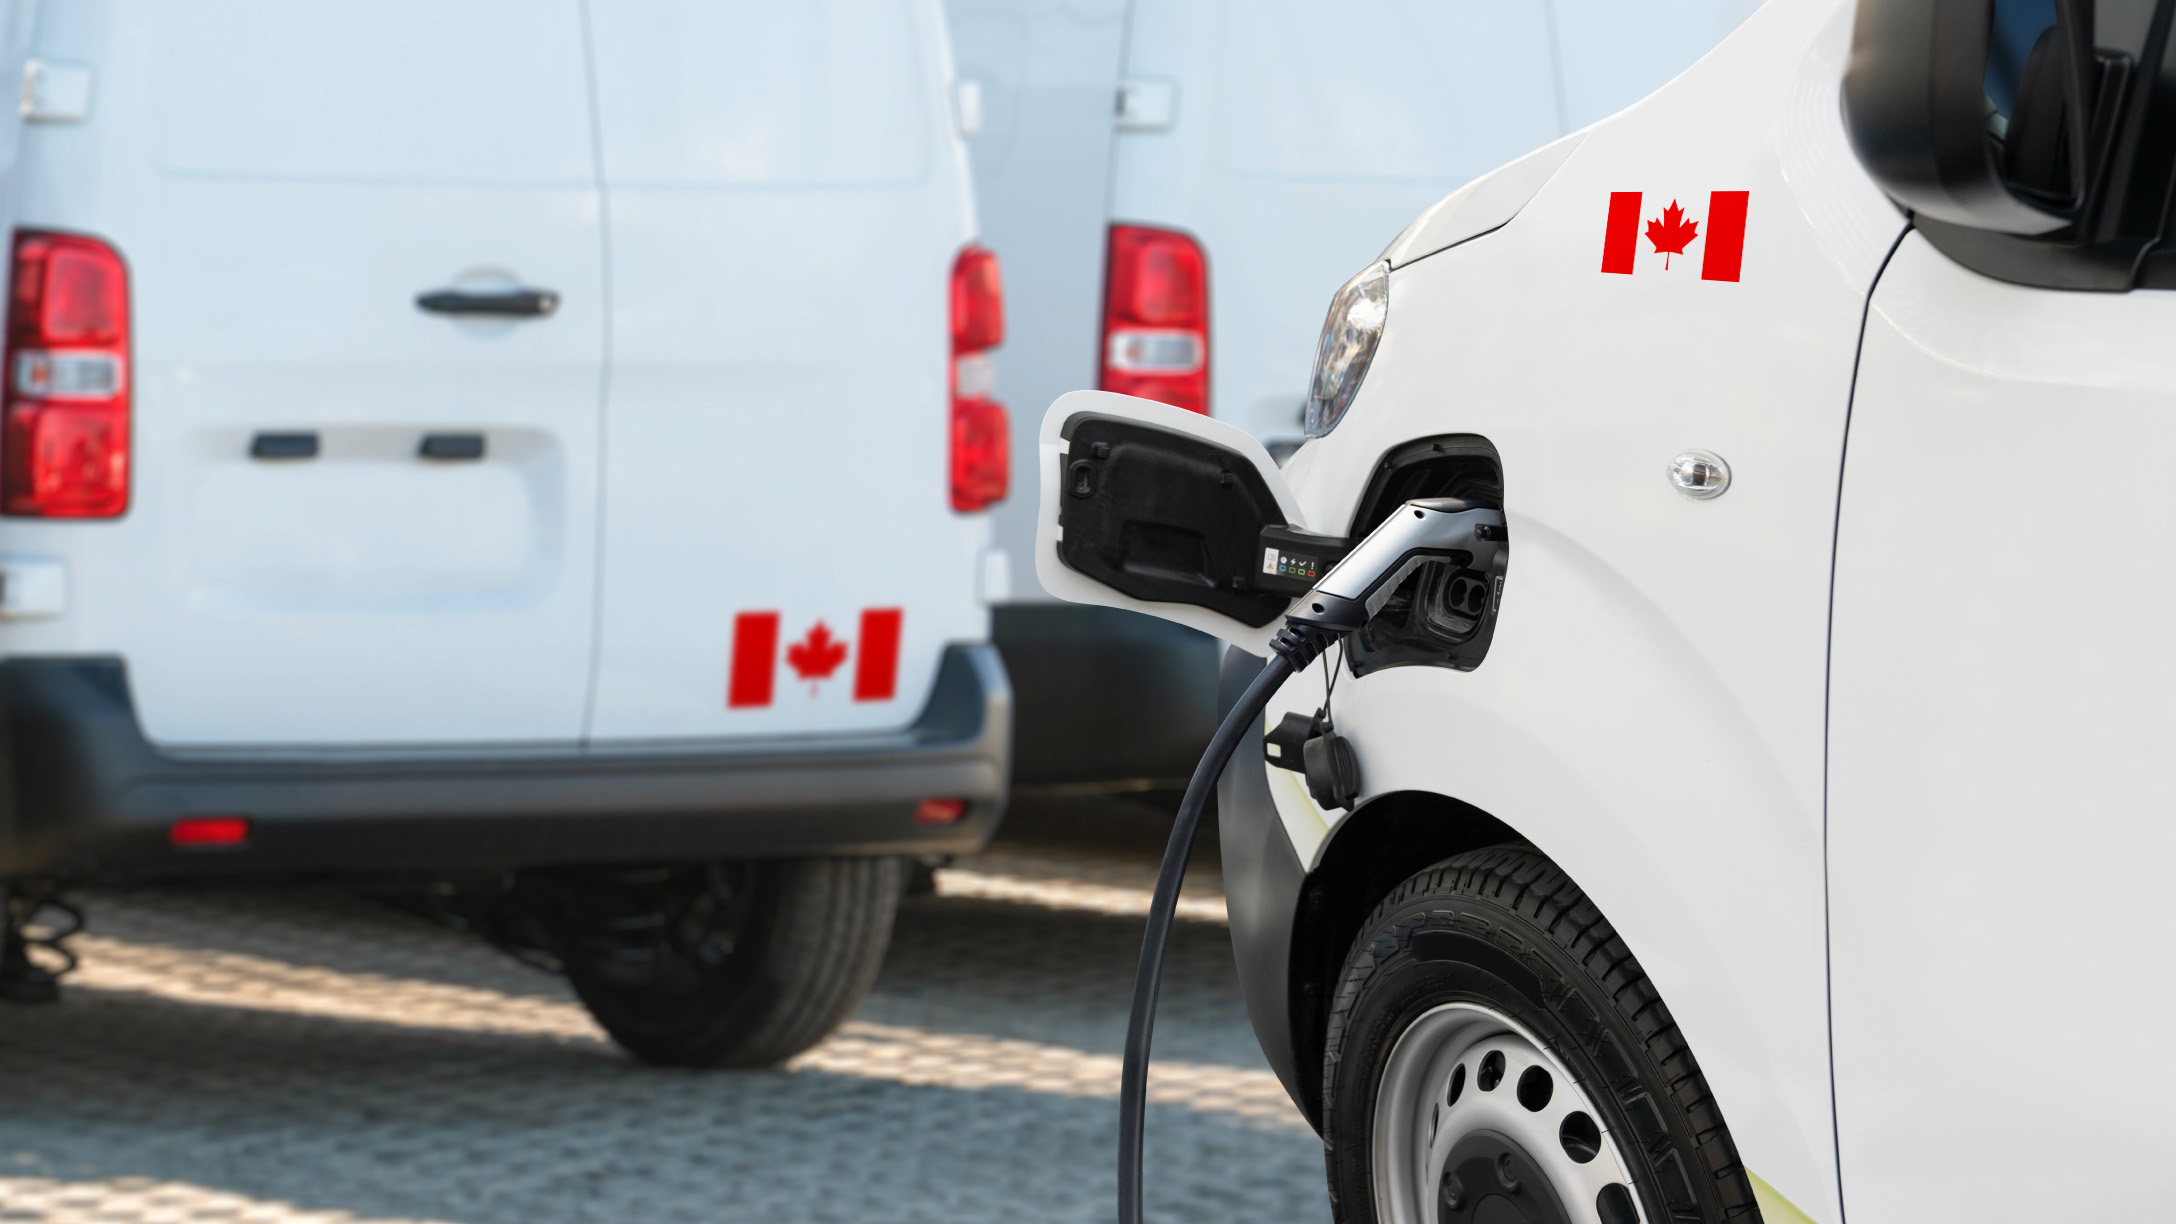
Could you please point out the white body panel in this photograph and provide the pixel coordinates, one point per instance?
(751, 254)
(1651, 712)
(786, 194)
(1481, 205)
(1863, 759)
(2004, 694)
(277, 233)
(1291, 139)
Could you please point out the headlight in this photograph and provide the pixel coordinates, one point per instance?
(1349, 337)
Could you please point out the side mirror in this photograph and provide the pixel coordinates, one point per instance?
(1923, 123)
(1171, 513)
(2019, 139)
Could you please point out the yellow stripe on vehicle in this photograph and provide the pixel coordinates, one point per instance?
(1774, 1208)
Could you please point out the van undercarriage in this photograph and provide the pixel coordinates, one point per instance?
(674, 884)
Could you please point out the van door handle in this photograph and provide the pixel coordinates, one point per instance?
(506, 303)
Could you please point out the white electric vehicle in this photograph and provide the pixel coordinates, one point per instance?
(538, 447)
(1175, 186)
(1773, 825)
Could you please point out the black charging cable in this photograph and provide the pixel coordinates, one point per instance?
(1355, 589)
(1293, 648)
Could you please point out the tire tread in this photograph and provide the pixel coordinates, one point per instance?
(1531, 886)
(836, 923)
(813, 951)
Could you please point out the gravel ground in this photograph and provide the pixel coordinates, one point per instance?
(309, 1054)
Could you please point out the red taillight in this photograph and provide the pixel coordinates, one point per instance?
(978, 302)
(208, 832)
(64, 451)
(981, 438)
(940, 811)
(1156, 317)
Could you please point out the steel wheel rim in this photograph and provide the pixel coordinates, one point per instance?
(1416, 1123)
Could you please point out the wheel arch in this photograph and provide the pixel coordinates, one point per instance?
(1369, 853)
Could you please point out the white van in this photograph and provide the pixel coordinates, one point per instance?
(1177, 186)
(507, 434)
(1786, 836)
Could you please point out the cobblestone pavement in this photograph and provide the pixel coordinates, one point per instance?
(310, 1055)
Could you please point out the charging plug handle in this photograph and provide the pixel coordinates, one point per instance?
(1420, 531)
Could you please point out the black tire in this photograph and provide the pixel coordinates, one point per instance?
(724, 964)
(1506, 929)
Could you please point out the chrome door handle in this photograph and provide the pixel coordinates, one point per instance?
(504, 303)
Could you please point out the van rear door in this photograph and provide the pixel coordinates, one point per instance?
(787, 194)
(410, 558)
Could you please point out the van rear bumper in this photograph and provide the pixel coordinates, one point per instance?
(88, 798)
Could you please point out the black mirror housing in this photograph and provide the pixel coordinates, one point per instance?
(1916, 111)
(2022, 143)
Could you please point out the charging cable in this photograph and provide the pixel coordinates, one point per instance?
(1352, 592)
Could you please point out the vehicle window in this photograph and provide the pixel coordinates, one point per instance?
(1377, 90)
(724, 92)
(490, 91)
(2017, 25)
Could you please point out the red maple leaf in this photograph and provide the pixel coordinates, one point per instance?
(1671, 233)
(816, 656)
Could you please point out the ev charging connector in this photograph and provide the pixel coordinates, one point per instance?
(1355, 589)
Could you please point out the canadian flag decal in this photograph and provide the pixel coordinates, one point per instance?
(813, 657)
(1672, 229)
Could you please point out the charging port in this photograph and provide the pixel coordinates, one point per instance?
(1444, 613)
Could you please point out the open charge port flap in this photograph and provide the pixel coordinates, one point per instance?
(1162, 516)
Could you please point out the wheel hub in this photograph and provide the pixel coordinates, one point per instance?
(1476, 1122)
(1488, 1179)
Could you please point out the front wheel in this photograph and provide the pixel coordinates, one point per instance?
(1494, 1053)
(720, 964)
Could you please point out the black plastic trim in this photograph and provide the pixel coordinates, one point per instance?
(2109, 267)
(1166, 517)
(301, 445)
(451, 446)
(92, 799)
(1915, 112)
(1262, 882)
